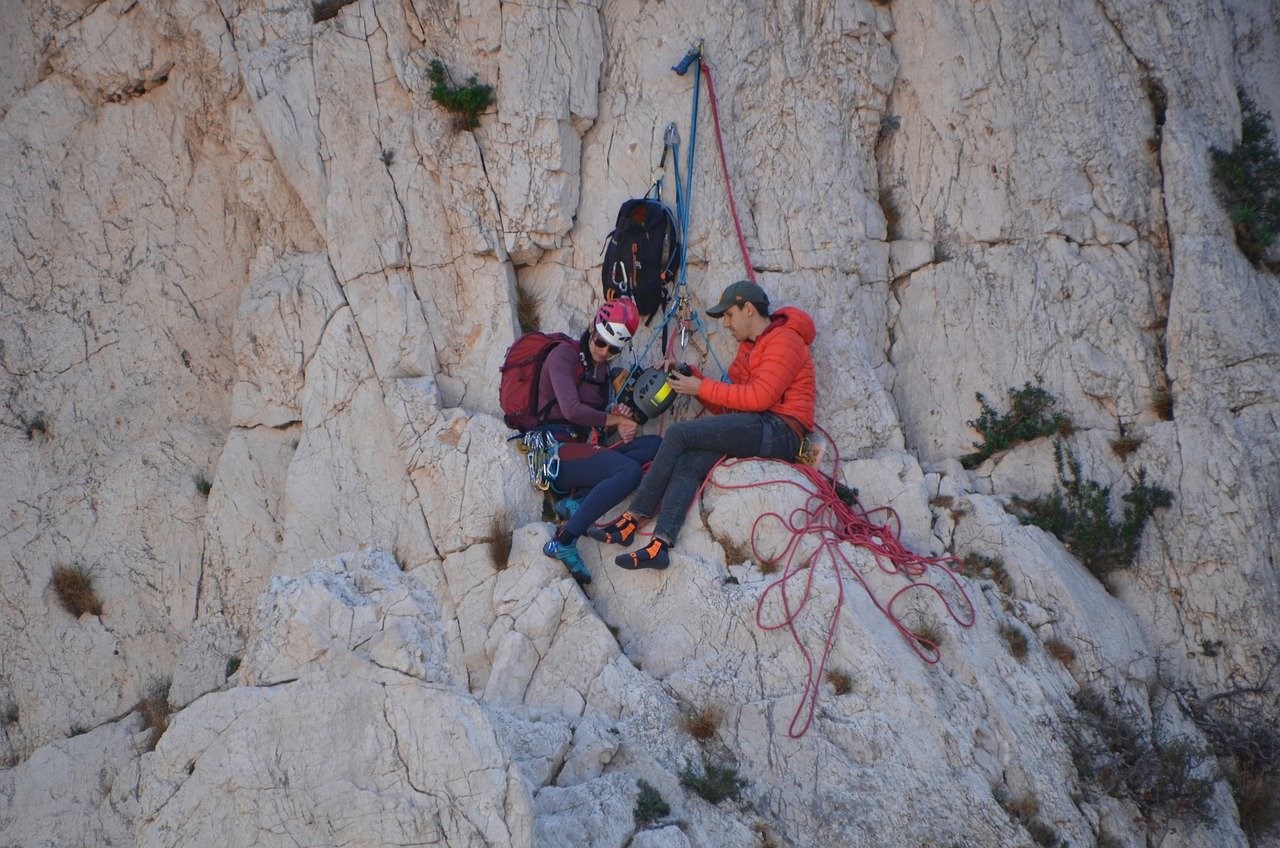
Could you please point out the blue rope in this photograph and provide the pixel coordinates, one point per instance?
(684, 203)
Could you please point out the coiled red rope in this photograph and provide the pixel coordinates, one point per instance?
(832, 522)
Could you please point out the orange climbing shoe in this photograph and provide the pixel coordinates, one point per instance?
(620, 531)
(652, 555)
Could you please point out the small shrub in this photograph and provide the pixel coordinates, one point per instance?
(1079, 513)
(499, 540)
(1112, 749)
(1060, 650)
(703, 725)
(1246, 739)
(841, 681)
(37, 427)
(528, 310)
(1015, 640)
(233, 665)
(467, 101)
(714, 784)
(735, 552)
(73, 584)
(992, 568)
(12, 714)
(388, 157)
(155, 710)
(203, 485)
(77, 730)
(1028, 418)
(1247, 180)
(649, 805)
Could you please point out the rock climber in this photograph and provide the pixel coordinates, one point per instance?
(765, 411)
(577, 377)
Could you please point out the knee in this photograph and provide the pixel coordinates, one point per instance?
(630, 476)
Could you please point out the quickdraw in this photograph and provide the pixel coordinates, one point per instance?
(542, 452)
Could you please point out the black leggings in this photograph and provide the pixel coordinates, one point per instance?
(611, 475)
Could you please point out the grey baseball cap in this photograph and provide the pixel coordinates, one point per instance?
(736, 294)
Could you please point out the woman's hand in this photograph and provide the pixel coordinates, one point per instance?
(627, 430)
(623, 410)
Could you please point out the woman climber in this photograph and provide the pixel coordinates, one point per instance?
(577, 378)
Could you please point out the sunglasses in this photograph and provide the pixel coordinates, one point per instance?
(599, 342)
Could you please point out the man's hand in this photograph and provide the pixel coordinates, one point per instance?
(627, 430)
(684, 385)
(623, 410)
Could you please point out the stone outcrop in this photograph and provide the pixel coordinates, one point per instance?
(256, 287)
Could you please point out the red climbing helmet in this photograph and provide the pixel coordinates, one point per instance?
(616, 321)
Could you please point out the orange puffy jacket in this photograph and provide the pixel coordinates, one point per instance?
(772, 374)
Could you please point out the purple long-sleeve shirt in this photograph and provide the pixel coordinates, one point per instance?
(577, 401)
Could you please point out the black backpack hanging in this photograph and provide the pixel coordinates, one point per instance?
(642, 255)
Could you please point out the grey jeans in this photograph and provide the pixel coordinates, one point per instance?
(689, 451)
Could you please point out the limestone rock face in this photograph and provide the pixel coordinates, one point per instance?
(255, 287)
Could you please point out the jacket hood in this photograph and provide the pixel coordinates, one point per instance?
(794, 319)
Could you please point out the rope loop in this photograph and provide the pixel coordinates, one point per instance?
(832, 524)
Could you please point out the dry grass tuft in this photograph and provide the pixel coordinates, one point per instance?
(155, 710)
(769, 568)
(992, 568)
(1015, 639)
(1162, 404)
(736, 553)
(1060, 650)
(764, 832)
(703, 725)
(841, 681)
(528, 310)
(929, 632)
(499, 540)
(73, 584)
(941, 501)
(1125, 445)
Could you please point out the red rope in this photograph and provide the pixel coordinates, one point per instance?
(832, 521)
(724, 166)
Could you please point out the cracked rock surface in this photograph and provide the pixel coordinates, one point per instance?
(255, 287)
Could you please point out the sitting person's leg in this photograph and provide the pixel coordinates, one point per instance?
(735, 434)
(691, 469)
(609, 475)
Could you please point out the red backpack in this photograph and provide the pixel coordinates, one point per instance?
(521, 376)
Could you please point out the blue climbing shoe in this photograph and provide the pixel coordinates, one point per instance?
(566, 507)
(568, 554)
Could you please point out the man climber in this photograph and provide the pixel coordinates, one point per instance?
(764, 412)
